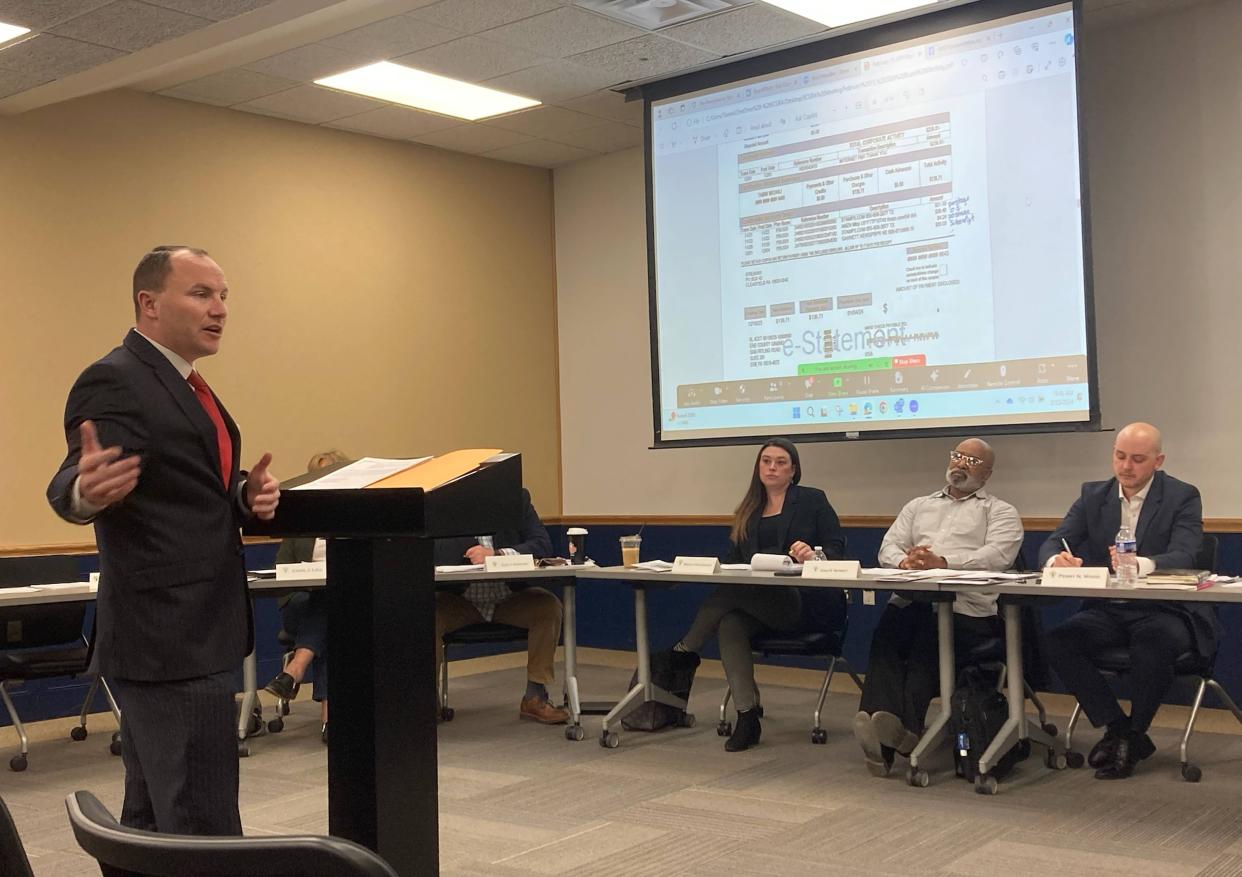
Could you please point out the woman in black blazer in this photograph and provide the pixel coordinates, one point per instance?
(776, 516)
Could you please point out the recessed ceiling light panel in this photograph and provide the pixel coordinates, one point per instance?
(653, 14)
(9, 32)
(837, 13)
(399, 84)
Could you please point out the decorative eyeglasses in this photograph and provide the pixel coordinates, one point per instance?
(959, 457)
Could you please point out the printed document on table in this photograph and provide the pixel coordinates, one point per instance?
(359, 474)
(460, 567)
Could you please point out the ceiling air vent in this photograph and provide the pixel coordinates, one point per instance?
(653, 14)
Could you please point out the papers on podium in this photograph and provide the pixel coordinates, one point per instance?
(425, 472)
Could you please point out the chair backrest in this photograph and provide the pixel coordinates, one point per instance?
(1206, 558)
(175, 855)
(23, 627)
(42, 570)
(13, 861)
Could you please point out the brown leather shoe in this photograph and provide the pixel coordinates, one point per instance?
(542, 711)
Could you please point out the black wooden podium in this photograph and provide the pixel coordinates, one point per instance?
(381, 644)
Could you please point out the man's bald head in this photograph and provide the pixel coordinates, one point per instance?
(1138, 452)
(970, 466)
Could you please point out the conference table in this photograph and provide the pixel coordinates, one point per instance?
(940, 591)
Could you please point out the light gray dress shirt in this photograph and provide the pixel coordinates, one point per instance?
(978, 532)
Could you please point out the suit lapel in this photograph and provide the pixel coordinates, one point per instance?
(183, 394)
(1151, 508)
(787, 513)
(1110, 514)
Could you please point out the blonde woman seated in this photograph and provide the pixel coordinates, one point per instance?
(776, 516)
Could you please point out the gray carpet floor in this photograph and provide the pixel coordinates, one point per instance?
(518, 799)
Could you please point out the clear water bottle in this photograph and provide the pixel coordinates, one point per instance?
(1127, 558)
(819, 553)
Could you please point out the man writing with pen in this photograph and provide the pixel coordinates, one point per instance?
(1166, 517)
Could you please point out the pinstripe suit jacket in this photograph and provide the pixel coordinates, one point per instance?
(172, 597)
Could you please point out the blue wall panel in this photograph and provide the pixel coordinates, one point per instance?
(606, 609)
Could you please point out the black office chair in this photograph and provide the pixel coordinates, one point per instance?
(13, 861)
(486, 633)
(825, 612)
(1190, 666)
(44, 641)
(174, 855)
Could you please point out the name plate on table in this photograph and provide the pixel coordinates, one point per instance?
(696, 566)
(286, 572)
(508, 562)
(831, 569)
(1076, 576)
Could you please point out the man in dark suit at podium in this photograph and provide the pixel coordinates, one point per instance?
(535, 609)
(153, 463)
(1166, 517)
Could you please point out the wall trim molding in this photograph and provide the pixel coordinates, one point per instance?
(1033, 525)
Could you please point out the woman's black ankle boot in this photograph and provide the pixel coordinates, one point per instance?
(745, 732)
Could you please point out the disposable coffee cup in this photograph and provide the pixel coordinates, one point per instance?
(629, 549)
(577, 545)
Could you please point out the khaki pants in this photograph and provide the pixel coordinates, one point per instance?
(535, 609)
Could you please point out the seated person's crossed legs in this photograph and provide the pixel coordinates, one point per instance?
(903, 675)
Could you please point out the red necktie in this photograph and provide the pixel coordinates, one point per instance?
(208, 401)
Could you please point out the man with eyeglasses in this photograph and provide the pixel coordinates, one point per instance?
(960, 527)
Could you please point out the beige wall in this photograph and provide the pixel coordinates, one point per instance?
(1164, 109)
(387, 299)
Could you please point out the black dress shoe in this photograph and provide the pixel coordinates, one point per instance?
(745, 732)
(1102, 753)
(1123, 761)
(283, 687)
(1142, 747)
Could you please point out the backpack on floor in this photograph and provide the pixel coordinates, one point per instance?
(674, 672)
(977, 713)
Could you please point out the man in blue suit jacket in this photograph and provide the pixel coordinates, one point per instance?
(1166, 517)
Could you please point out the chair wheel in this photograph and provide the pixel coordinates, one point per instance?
(609, 739)
(243, 749)
(686, 720)
(985, 784)
(447, 714)
(819, 735)
(255, 724)
(284, 708)
(1191, 773)
(724, 729)
(115, 745)
(1075, 759)
(17, 763)
(78, 733)
(1049, 729)
(1055, 760)
(917, 777)
(276, 725)
(575, 733)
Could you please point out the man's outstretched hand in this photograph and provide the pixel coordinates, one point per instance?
(103, 477)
